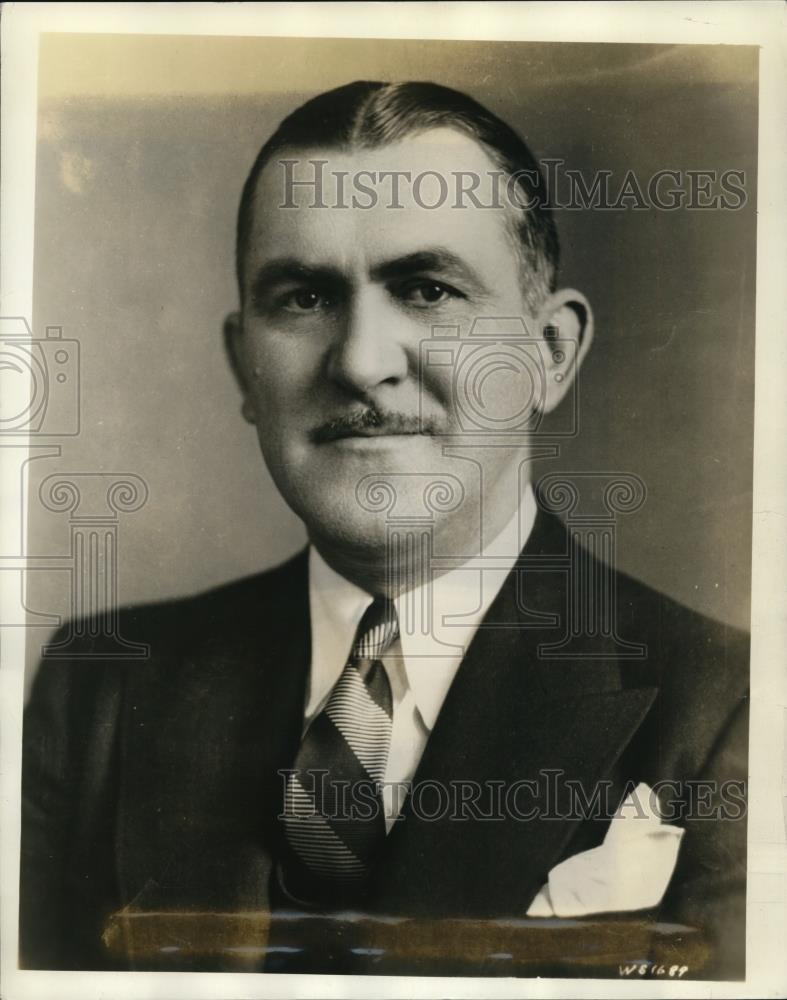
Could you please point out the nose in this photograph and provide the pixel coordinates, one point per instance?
(367, 352)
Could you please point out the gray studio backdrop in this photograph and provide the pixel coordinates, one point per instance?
(136, 196)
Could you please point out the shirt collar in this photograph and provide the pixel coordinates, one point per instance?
(336, 607)
(434, 635)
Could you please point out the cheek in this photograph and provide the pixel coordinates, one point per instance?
(282, 370)
(438, 382)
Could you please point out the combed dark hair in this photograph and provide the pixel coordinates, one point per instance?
(369, 114)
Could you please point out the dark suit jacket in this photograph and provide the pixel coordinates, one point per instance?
(162, 774)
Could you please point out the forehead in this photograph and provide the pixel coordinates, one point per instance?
(343, 205)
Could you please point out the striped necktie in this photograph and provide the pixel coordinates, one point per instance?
(333, 811)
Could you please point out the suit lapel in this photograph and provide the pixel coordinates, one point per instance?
(206, 724)
(510, 717)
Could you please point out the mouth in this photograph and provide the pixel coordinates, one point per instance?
(373, 440)
(368, 426)
(370, 434)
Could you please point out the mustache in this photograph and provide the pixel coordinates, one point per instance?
(372, 418)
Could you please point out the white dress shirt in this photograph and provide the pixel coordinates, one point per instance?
(420, 666)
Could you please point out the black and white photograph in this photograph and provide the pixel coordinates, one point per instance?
(382, 514)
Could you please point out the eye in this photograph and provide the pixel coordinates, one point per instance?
(305, 300)
(423, 293)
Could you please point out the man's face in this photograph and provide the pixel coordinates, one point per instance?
(337, 304)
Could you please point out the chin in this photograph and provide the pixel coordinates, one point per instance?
(331, 511)
(349, 500)
(353, 535)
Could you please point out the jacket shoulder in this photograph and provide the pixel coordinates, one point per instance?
(80, 666)
(700, 667)
(223, 607)
(679, 641)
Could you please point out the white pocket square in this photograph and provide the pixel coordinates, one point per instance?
(629, 871)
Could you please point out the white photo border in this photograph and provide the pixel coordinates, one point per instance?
(762, 24)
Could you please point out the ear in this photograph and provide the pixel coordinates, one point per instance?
(233, 344)
(565, 326)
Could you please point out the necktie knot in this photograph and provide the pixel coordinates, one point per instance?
(378, 629)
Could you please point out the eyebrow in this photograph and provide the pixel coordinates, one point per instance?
(434, 260)
(284, 269)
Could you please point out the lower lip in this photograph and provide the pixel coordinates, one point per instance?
(374, 442)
